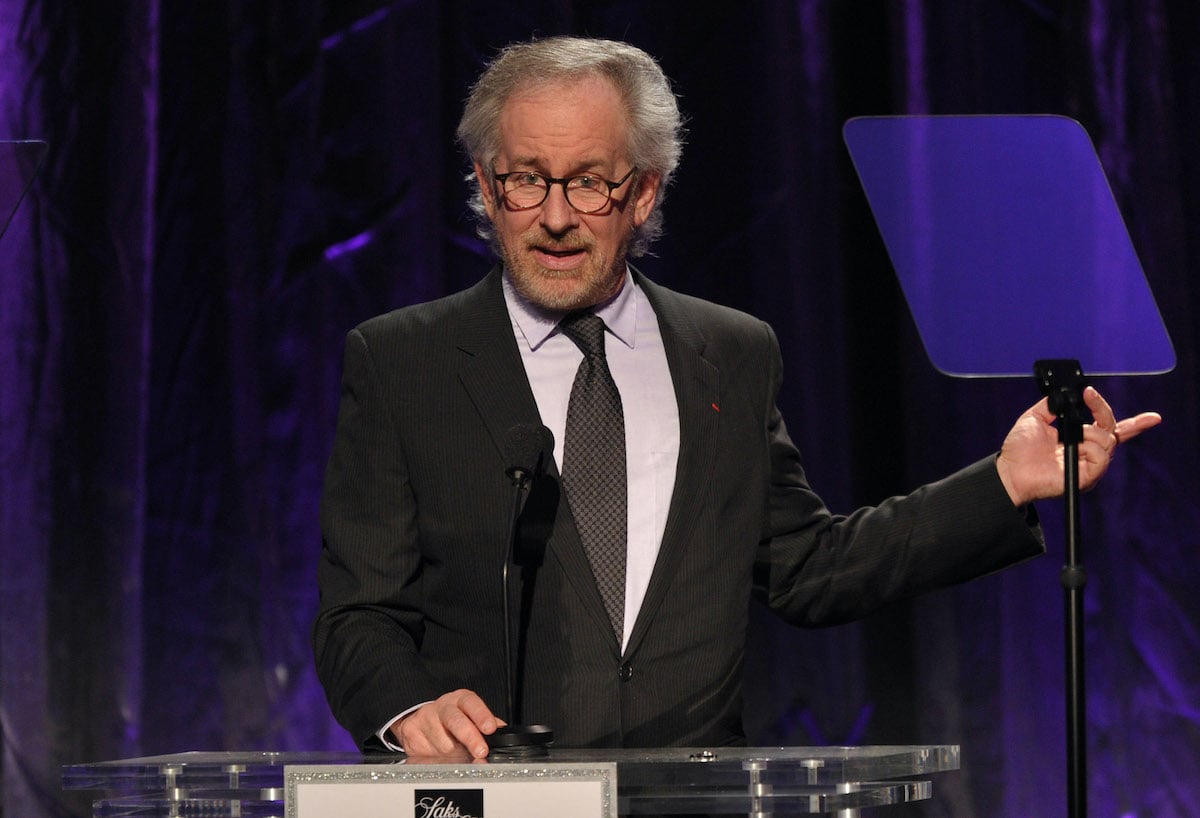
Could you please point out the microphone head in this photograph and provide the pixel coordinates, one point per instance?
(526, 447)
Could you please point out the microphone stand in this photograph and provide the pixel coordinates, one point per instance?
(514, 740)
(1062, 382)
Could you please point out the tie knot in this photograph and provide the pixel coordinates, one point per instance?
(586, 330)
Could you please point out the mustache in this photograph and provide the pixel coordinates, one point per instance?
(539, 239)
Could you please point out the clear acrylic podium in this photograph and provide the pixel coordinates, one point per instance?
(753, 781)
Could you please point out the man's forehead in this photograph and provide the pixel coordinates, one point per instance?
(583, 117)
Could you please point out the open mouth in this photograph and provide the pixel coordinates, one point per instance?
(559, 257)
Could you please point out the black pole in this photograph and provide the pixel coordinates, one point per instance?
(1062, 382)
(520, 481)
(1074, 578)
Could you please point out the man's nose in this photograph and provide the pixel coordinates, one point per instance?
(557, 214)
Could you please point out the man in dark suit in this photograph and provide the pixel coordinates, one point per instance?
(573, 142)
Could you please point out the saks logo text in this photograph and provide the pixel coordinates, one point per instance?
(448, 804)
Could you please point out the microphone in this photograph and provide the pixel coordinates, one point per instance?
(526, 447)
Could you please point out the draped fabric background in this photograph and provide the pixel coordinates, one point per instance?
(231, 186)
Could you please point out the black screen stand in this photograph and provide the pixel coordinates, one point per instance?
(1010, 249)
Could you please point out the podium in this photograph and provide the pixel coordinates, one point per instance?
(753, 781)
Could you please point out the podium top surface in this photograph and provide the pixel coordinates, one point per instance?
(643, 766)
(712, 781)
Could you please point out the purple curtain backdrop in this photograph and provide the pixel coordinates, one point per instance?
(232, 186)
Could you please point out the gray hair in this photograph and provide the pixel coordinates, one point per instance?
(655, 125)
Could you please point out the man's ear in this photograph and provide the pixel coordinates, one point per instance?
(487, 189)
(647, 194)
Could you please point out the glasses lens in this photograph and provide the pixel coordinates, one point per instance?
(525, 189)
(587, 193)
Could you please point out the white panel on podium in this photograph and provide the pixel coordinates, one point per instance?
(518, 790)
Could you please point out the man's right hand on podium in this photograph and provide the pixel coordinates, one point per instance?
(454, 722)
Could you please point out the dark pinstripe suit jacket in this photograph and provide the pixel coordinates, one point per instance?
(416, 505)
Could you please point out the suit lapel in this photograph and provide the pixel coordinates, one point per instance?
(489, 363)
(697, 391)
(493, 375)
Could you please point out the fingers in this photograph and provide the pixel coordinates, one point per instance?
(1098, 442)
(1102, 438)
(1095, 455)
(454, 722)
(1102, 413)
(1123, 430)
(1129, 428)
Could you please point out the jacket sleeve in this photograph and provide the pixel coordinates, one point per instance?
(369, 624)
(815, 568)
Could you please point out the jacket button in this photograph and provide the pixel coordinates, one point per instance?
(626, 672)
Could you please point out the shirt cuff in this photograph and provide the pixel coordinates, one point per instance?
(385, 734)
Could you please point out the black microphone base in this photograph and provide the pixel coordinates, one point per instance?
(520, 741)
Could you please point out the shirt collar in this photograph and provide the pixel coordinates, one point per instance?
(537, 324)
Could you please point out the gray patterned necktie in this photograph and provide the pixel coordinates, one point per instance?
(593, 472)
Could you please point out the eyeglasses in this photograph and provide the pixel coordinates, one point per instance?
(524, 189)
